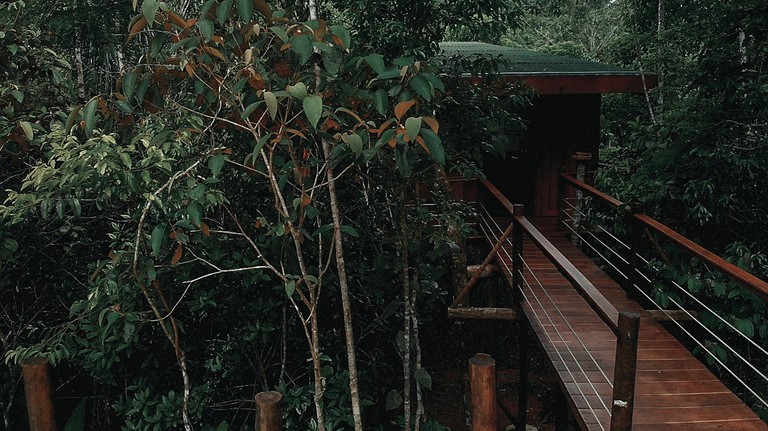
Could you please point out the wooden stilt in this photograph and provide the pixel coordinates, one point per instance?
(269, 416)
(482, 377)
(38, 393)
(624, 372)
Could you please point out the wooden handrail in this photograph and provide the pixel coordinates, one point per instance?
(592, 191)
(751, 282)
(586, 289)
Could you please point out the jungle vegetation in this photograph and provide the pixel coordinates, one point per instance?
(201, 200)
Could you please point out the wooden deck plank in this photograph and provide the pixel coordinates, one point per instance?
(674, 391)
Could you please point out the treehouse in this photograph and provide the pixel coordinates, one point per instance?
(563, 121)
(632, 344)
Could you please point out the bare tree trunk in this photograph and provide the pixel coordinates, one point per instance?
(79, 68)
(408, 311)
(661, 15)
(344, 290)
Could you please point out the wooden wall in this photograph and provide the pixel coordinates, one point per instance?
(558, 127)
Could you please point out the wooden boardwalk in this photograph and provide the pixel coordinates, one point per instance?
(673, 390)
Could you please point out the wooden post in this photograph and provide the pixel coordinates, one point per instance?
(624, 372)
(517, 252)
(522, 387)
(581, 172)
(482, 382)
(37, 390)
(635, 247)
(269, 416)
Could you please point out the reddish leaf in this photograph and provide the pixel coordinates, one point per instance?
(137, 27)
(177, 254)
(402, 108)
(205, 229)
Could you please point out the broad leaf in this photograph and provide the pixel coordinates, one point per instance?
(343, 35)
(302, 45)
(402, 108)
(27, 128)
(271, 100)
(376, 62)
(156, 239)
(381, 101)
(412, 127)
(129, 84)
(354, 141)
(394, 400)
(423, 378)
(435, 145)
(195, 212)
(216, 163)
(245, 8)
(222, 12)
(149, 10)
(422, 87)
(206, 28)
(298, 91)
(290, 287)
(89, 115)
(313, 108)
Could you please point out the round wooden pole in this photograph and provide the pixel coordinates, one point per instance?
(269, 416)
(482, 378)
(37, 390)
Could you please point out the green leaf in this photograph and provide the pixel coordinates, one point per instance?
(89, 115)
(412, 127)
(195, 211)
(149, 10)
(381, 101)
(376, 62)
(389, 74)
(434, 80)
(27, 128)
(18, 95)
(124, 106)
(290, 287)
(271, 100)
(216, 163)
(354, 141)
(76, 420)
(394, 400)
(349, 230)
(302, 45)
(435, 145)
(250, 108)
(156, 239)
(298, 91)
(222, 12)
(422, 87)
(245, 7)
(129, 84)
(343, 35)
(313, 108)
(332, 62)
(423, 378)
(206, 28)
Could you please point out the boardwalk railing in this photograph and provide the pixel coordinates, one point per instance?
(495, 208)
(716, 307)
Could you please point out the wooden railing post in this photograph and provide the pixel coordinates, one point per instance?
(517, 251)
(634, 242)
(624, 372)
(482, 383)
(269, 415)
(522, 386)
(561, 206)
(581, 173)
(37, 390)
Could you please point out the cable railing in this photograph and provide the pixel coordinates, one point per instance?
(704, 298)
(613, 406)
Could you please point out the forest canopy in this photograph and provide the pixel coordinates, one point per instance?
(201, 200)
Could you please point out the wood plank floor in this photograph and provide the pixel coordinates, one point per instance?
(674, 391)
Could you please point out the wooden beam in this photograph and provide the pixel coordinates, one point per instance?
(37, 391)
(669, 315)
(485, 313)
(489, 271)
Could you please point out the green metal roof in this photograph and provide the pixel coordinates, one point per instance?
(526, 62)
